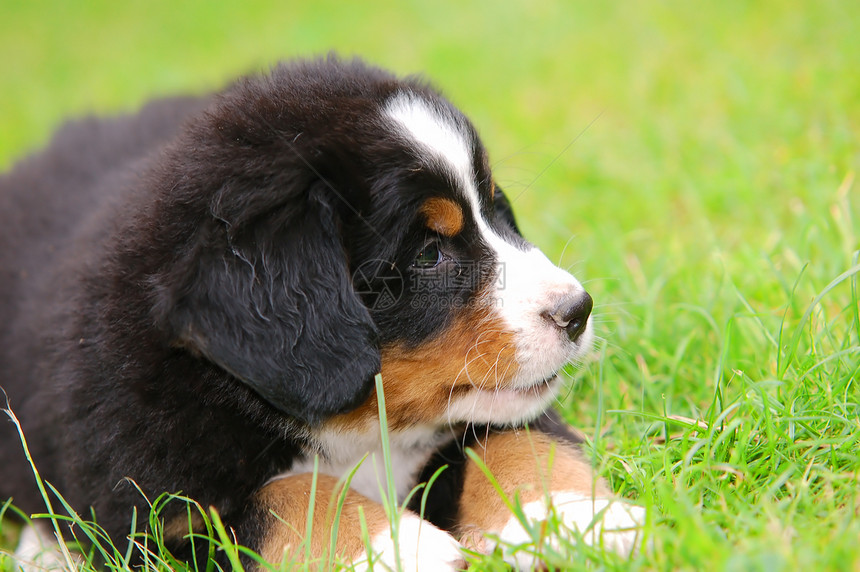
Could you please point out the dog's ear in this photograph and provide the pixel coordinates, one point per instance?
(503, 211)
(273, 304)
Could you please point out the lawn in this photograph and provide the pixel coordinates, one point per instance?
(694, 163)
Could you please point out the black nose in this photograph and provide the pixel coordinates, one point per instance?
(571, 314)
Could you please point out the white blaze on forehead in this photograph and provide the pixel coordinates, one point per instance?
(440, 135)
(532, 284)
(437, 134)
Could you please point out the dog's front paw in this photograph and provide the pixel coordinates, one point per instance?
(422, 548)
(612, 524)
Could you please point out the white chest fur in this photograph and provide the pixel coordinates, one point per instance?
(340, 452)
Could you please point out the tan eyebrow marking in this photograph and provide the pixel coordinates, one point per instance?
(443, 215)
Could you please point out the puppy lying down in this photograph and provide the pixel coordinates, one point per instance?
(198, 298)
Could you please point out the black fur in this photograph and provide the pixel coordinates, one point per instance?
(149, 262)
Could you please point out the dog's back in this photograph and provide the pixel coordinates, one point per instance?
(45, 201)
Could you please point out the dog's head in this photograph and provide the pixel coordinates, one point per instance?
(338, 222)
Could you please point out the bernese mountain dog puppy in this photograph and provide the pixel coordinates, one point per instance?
(199, 297)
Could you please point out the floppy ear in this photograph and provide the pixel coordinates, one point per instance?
(273, 304)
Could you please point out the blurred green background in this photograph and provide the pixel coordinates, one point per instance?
(686, 107)
(693, 162)
(678, 109)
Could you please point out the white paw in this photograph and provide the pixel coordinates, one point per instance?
(38, 551)
(423, 548)
(612, 524)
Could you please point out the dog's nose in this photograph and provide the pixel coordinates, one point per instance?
(571, 314)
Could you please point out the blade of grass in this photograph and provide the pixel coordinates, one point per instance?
(392, 504)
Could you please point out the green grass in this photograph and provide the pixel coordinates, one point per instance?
(694, 163)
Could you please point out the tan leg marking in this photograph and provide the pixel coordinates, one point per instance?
(177, 528)
(528, 464)
(289, 498)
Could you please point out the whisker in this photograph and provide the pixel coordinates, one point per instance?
(464, 370)
(563, 250)
(569, 268)
(557, 157)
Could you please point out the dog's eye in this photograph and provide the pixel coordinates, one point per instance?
(429, 257)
